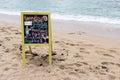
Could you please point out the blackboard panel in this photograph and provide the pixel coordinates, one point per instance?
(36, 29)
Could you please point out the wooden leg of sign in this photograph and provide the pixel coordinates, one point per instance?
(30, 49)
(23, 56)
(50, 54)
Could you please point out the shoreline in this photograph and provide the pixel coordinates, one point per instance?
(84, 18)
(93, 28)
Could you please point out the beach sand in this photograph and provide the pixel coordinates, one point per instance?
(76, 56)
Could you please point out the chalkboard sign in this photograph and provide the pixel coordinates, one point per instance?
(36, 30)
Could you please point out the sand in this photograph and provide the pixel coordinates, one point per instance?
(76, 56)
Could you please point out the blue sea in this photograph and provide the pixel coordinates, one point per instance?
(104, 11)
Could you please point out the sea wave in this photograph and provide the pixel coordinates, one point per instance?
(86, 18)
(72, 17)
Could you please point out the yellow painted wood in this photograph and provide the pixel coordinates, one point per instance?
(23, 56)
(50, 36)
(23, 46)
(36, 44)
(50, 41)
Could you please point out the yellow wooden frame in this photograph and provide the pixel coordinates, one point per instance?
(49, 35)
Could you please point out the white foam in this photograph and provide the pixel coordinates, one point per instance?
(73, 17)
(86, 18)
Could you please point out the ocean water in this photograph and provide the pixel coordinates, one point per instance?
(104, 11)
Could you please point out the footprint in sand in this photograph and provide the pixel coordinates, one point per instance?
(5, 31)
(62, 67)
(76, 70)
(84, 52)
(113, 51)
(20, 48)
(54, 53)
(84, 63)
(105, 68)
(7, 50)
(81, 71)
(57, 42)
(77, 55)
(18, 32)
(111, 63)
(118, 65)
(101, 69)
(60, 59)
(78, 64)
(62, 43)
(82, 48)
(74, 74)
(72, 44)
(65, 53)
(108, 55)
(8, 38)
(6, 69)
(31, 54)
(107, 63)
(14, 30)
